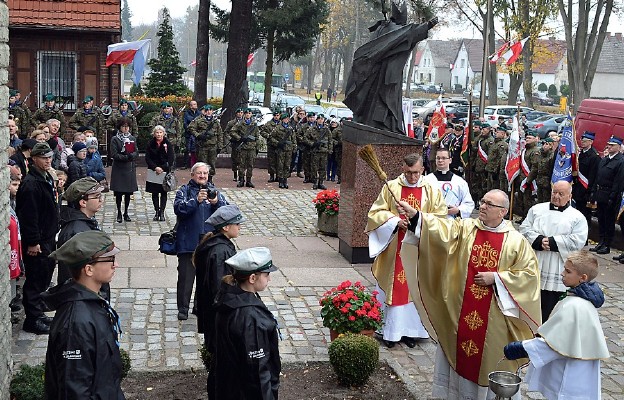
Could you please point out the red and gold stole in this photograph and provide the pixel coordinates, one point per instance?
(473, 319)
(400, 290)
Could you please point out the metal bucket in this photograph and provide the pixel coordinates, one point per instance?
(504, 384)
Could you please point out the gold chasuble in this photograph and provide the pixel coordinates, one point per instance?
(466, 318)
(388, 266)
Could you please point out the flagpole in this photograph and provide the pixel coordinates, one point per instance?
(511, 194)
(468, 171)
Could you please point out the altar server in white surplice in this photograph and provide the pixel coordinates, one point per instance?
(454, 188)
(554, 229)
(386, 230)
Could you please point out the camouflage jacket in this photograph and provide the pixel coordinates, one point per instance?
(246, 135)
(486, 143)
(495, 153)
(542, 168)
(83, 120)
(336, 135)
(208, 133)
(116, 116)
(44, 113)
(21, 115)
(227, 133)
(283, 138)
(318, 138)
(266, 130)
(531, 156)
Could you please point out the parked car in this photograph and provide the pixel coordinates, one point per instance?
(258, 97)
(542, 98)
(491, 113)
(434, 89)
(546, 124)
(460, 113)
(418, 102)
(315, 109)
(603, 117)
(284, 101)
(425, 111)
(339, 112)
(261, 114)
(533, 115)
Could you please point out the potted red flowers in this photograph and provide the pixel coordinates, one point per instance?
(351, 308)
(327, 207)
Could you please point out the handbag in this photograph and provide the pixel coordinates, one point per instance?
(170, 182)
(104, 184)
(167, 242)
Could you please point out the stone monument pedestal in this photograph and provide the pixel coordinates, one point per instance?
(359, 186)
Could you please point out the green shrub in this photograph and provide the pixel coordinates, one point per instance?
(145, 134)
(564, 89)
(354, 358)
(542, 87)
(136, 90)
(28, 383)
(552, 90)
(205, 355)
(126, 364)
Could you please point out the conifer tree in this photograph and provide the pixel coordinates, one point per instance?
(166, 75)
(126, 25)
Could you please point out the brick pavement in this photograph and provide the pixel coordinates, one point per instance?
(143, 291)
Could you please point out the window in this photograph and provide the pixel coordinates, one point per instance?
(462, 63)
(456, 79)
(500, 83)
(56, 74)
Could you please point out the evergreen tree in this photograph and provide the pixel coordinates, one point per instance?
(166, 75)
(126, 25)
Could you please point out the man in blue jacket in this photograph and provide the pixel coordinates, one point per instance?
(193, 204)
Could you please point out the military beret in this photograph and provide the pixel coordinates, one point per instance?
(502, 128)
(13, 93)
(251, 261)
(165, 104)
(225, 215)
(459, 127)
(49, 97)
(588, 135)
(531, 132)
(28, 144)
(239, 110)
(614, 140)
(477, 123)
(320, 116)
(247, 110)
(123, 101)
(548, 140)
(207, 107)
(311, 114)
(277, 112)
(82, 187)
(284, 115)
(87, 99)
(42, 150)
(83, 248)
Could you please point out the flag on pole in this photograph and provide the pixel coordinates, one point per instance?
(514, 51)
(250, 59)
(499, 53)
(437, 125)
(129, 52)
(408, 122)
(565, 158)
(464, 150)
(512, 166)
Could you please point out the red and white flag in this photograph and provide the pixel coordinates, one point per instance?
(437, 125)
(250, 59)
(129, 52)
(512, 166)
(514, 51)
(499, 53)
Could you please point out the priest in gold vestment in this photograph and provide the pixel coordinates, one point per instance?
(479, 284)
(386, 230)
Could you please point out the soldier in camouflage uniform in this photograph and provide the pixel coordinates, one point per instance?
(265, 131)
(49, 111)
(530, 157)
(541, 170)
(123, 112)
(503, 183)
(496, 149)
(89, 118)
(480, 147)
(284, 140)
(318, 138)
(306, 152)
(20, 115)
(172, 125)
(233, 144)
(336, 130)
(298, 121)
(208, 138)
(246, 133)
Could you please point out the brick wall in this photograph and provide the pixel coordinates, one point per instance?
(6, 363)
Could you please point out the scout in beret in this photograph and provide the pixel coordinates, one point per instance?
(83, 358)
(165, 104)
(49, 97)
(548, 140)
(207, 107)
(247, 343)
(210, 268)
(87, 99)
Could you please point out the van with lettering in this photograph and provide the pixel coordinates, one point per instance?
(603, 117)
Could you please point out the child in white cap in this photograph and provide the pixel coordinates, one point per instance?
(247, 361)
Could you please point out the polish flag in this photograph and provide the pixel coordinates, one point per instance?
(129, 52)
(514, 51)
(512, 166)
(250, 59)
(496, 56)
(437, 125)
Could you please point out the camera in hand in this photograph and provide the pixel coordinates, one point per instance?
(212, 193)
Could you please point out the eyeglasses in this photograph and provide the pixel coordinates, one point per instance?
(412, 173)
(101, 260)
(488, 203)
(443, 158)
(95, 197)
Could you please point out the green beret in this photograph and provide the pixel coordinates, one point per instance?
(248, 110)
(311, 114)
(548, 140)
(207, 107)
(239, 110)
(251, 261)
(87, 99)
(13, 93)
(123, 101)
(82, 187)
(320, 116)
(49, 97)
(284, 115)
(83, 248)
(531, 132)
(42, 150)
(276, 112)
(165, 104)
(502, 128)
(477, 123)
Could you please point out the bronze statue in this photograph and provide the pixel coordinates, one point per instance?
(374, 89)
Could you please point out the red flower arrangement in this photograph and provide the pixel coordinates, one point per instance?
(327, 201)
(351, 308)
